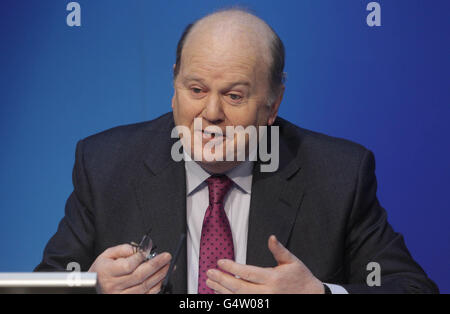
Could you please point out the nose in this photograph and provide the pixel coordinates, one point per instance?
(213, 111)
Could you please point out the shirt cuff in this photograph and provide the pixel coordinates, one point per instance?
(336, 289)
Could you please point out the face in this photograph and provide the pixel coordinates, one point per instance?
(220, 83)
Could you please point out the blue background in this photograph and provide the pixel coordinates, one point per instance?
(386, 88)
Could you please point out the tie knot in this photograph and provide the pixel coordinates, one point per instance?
(218, 186)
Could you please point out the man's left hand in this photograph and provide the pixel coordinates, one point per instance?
(289, 277)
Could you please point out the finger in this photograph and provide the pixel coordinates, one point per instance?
(126, 265)
(149, 283)
(280, 253)
(249, 273)
(218, 289)
(231, 283)
(115, 252)
(156, 289)
(146, 270)
(153, 284)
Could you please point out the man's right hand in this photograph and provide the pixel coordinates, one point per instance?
(120, 270)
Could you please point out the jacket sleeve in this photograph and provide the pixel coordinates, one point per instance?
(370, 238)
(74, 239)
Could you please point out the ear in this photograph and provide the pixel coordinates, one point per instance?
(275, 106)
(174, 90)
(173, 99)
(173, 78)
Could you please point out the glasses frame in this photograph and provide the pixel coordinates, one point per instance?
(145, 247)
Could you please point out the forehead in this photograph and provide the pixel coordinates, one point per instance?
(232, 68)
(223, 55)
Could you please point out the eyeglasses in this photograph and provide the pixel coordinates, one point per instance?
(145, 247)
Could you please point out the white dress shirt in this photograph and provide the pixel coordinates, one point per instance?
(236, 205)
(237, 208)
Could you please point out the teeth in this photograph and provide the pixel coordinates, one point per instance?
(209, 135)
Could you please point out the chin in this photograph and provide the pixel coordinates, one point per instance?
(218, 166)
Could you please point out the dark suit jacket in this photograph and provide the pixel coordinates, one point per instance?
(321, 204)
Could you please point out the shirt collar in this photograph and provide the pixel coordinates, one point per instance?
(241, 175)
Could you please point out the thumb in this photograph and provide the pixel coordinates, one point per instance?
(279, 252)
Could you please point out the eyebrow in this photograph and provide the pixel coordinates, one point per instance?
(193, 78)
(198, 79)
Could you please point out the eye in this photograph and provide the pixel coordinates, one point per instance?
(235, 97)
(197, 92)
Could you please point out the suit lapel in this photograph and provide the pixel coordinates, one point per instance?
(161, 195)
(275, 203)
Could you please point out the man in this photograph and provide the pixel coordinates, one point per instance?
(311, 226)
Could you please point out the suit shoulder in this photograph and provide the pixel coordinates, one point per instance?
(155, 125)
(321, 150)
(124, 144)
(332, 144)
(127, 135)
(318, 140)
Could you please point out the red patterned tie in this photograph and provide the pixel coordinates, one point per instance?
(216, 241)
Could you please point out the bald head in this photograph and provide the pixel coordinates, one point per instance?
(233, 30)
(229, 32)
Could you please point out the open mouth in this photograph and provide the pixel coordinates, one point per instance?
(211, 135)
